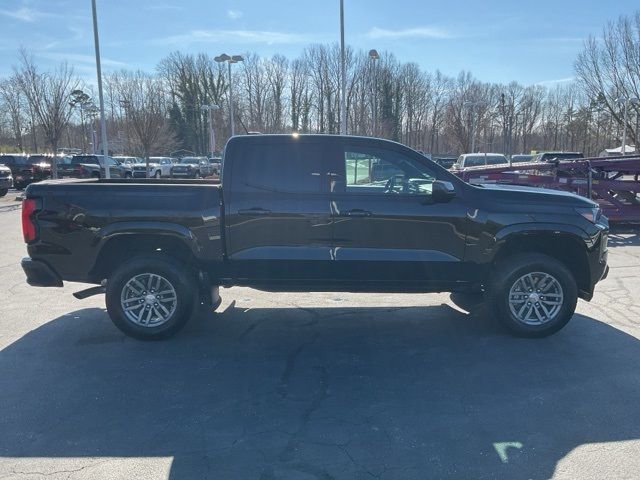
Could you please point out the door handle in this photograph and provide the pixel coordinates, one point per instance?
(254, 211)
(356, 212)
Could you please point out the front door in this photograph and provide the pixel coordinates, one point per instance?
(278, 220)
(387, 230)
(115, 169)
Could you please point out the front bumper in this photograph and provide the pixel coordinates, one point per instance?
(597, 257)
(39, 274)
(184, 174)
(139, 174)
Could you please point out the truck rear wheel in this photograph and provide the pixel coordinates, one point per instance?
(3, 192)
(150, 298)
(534, 295)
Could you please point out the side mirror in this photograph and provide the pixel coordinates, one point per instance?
(442, 191)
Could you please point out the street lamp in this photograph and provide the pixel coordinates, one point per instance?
(343, 76)
(212, 135)
(374, 56)
(103, 123)
(626, 102)
(230, 59)
(473, 106)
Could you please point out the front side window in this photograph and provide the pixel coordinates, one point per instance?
(381, 171)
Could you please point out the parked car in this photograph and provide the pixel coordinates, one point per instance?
(64, 166)
(41, 166)
(521, 158)
(139, 166)
(6, 179)
(479, 160)
(94, 166)
(215, 165)
(553, 156)
(24, 170)
(292, 215)
(165, 164)
(191, 167)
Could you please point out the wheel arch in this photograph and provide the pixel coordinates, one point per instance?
(124, 242)
(566, 245)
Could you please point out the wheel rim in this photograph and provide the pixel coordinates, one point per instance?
(536, 298)
(148, 300)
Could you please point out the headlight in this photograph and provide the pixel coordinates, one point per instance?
(592, 214)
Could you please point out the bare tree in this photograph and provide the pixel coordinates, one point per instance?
(12, 100)
(143, 98)
(48, 95)
(608, 69)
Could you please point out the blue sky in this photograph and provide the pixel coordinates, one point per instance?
(497, 40)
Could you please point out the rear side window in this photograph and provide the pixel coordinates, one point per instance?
(14, 160)
(287, 167)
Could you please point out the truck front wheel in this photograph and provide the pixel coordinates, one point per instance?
(534, 295)
(150, 298)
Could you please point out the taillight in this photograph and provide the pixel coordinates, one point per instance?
(29, 229)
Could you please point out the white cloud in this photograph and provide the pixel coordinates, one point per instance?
(556, 81)
(25, 14)
(235, 36)
(417, 32)
(234, 14)
(80, 59)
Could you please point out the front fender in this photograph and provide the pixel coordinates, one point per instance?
(487, 245)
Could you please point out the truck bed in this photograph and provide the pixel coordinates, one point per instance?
(83, 219)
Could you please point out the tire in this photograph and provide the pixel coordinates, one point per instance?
(3, 192)
(95, 175)
(149, 272)
(128, 175)
(158, 174)
(532, 312)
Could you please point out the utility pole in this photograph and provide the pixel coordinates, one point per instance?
(103, 123)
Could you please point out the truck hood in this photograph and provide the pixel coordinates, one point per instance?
(534, 195)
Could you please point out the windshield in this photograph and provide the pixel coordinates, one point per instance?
(190, 160)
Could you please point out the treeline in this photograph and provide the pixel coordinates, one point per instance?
(162, 112)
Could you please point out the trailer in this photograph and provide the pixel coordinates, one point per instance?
(611, 181)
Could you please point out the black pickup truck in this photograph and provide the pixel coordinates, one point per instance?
(304, 213)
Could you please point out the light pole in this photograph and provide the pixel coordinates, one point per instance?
(343, 76)
(626, 102)
(374, 57)
(103, 123)
(212, 136)
(230, 59)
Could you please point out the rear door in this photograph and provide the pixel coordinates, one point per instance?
(278, 222)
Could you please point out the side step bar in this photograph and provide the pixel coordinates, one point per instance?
(90, 292)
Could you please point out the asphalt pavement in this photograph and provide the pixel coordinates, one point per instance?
(317, 386)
